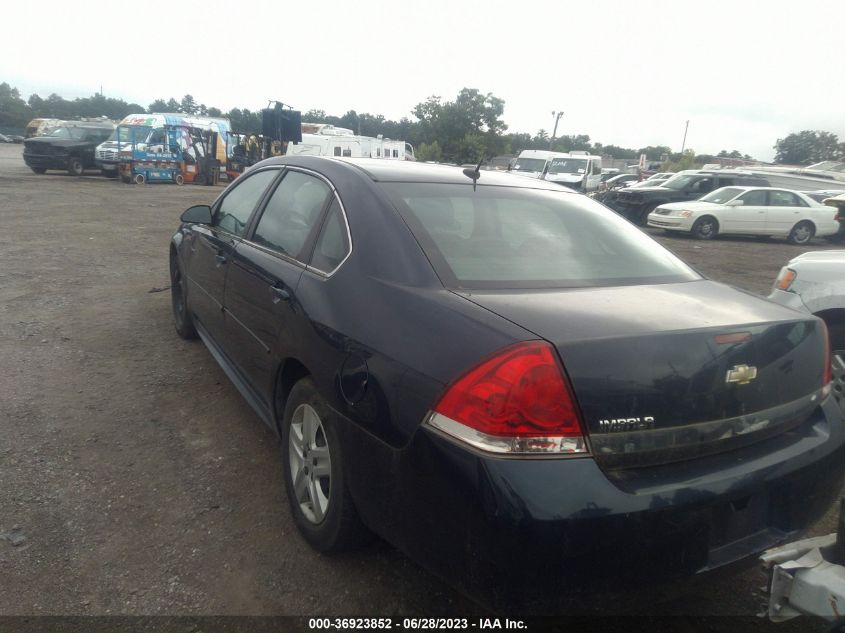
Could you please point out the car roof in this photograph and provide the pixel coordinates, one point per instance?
(381, 170)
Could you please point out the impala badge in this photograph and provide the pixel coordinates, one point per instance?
(741, 374)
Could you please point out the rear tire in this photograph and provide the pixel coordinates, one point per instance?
(313, 463)
(179, 300)
(801, 233)
(705, 228)
(75, 166)
(179, 179)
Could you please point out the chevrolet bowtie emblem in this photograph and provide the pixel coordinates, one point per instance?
(741, 375)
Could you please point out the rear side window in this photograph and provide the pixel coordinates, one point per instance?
(233, 213)
(785, 199)
(292, 213)
(503, 237)
(333, 243)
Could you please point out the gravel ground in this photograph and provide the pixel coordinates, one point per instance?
(135, 480)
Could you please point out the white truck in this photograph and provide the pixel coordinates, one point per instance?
(328, 140)
(533, 163)
(577, 170)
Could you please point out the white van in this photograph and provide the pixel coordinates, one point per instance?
(532, 163)
(577, 170)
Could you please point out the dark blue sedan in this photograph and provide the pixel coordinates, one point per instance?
(503, 378)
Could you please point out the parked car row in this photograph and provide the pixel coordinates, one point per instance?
(505, 379)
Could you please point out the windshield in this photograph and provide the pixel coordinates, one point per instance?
(76, 133)
(125, 133)
(721, 196)
(678, 181)
(530, 164)
(509, 237)
(568, 166)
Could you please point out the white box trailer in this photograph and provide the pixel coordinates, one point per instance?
(333, 141)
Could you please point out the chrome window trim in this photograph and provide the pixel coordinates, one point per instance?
(307, 267)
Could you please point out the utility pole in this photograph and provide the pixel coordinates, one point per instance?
(557, 116)
(684, 143)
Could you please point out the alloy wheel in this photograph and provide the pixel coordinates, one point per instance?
(310, 463)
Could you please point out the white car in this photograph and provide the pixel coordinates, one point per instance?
(815, 282)
(766, 211)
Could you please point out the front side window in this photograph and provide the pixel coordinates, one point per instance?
(704, 185)
(755, 198)
(502, 237)
(333, 243)
(292, 213)
(233, 213)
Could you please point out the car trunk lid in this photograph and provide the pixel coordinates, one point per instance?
(669, 372)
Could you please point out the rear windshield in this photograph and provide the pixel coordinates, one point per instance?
(508, 237)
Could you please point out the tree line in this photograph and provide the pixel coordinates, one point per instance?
(462, 130)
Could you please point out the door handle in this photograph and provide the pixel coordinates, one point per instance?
(221, 259)
(279, 294)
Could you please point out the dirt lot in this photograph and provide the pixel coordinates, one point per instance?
(133, 477)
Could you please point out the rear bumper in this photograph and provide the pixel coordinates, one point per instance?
(513, 528)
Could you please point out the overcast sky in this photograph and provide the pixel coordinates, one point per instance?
(625, 72)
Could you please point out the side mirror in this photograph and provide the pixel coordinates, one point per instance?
(198, 214)
(734, 203)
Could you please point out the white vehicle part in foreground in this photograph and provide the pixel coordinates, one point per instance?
(807, 577)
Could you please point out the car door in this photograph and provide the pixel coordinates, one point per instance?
(750, 217)
(210, 248)
(785, 211)
(260, 303)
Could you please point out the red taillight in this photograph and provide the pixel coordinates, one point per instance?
(828, 361)
(518, 401)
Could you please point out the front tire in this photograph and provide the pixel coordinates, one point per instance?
(313, 463)
(705, 228)
(642, 218)
(179, 300)
(75, 166)
(801, 233)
